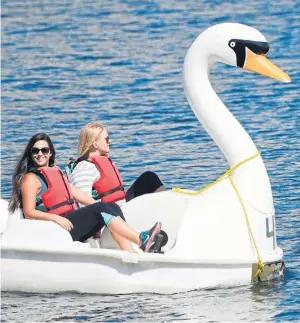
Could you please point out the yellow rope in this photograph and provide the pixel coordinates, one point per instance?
(228, 174)
(260, 263)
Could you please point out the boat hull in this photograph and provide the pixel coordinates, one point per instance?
(105, 271)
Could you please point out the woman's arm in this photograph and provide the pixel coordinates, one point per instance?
(82, 197)
(30, 186)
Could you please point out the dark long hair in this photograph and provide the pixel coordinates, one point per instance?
(23, 166)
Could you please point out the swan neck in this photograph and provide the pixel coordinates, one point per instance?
(217, 120)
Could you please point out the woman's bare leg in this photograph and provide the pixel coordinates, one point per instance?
(120, 227)
(123, 243)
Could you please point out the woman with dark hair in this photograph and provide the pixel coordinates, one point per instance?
(25, 164)
(43, 193)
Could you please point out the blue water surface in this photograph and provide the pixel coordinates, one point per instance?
(66, 63)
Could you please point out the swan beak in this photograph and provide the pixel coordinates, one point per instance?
(261, 65)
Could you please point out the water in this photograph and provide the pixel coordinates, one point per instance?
(66, 63)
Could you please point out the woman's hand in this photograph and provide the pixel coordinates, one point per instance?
(63, 222)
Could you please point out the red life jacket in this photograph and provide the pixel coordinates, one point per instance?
(58, 198)
(109, 186)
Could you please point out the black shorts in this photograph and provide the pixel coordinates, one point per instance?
(88, 220)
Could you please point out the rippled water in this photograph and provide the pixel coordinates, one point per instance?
(66, 63)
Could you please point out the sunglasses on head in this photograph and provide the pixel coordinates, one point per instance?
(44, 150)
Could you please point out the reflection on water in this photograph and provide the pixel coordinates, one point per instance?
(67, 63)
(256, 303)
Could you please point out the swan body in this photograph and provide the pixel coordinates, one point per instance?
(216, 238)
(216, 217)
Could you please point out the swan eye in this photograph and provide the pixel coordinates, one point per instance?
(232, 44)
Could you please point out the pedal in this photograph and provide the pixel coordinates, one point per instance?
(160, 241)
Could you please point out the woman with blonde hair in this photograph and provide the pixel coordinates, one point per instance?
(85, 172)
(95, 174)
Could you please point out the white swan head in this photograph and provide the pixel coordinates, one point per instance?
(241, 46)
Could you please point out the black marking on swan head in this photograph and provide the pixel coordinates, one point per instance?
(239, 47)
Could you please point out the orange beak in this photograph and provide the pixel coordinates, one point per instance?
(261, 65)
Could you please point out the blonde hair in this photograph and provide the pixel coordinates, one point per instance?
(88, 134)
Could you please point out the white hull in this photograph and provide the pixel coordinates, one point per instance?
(40, 256)
(116, 272)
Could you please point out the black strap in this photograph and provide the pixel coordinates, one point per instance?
(119, 188)
(56, 206)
